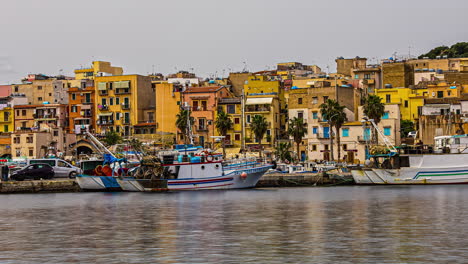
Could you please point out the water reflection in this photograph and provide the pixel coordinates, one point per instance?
(416, 224)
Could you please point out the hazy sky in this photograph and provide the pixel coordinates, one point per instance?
(216, 35)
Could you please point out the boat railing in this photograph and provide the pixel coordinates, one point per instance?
(241, 163)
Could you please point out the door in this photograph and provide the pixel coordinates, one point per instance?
(326, 132)
(367, 134)
(61, 170)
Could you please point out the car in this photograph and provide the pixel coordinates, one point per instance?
(61, 167)
(34, 171)
(413, 134)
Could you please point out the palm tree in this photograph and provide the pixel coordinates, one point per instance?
(223, 123)
(339, 118)
(259, 127)
(327, 110)
(282, 152)
(374, 109)
(182, 123)
(297, 129)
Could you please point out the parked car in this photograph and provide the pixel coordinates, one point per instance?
(33, 171)
(61, 167)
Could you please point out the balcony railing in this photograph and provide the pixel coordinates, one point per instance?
(42, 116)
(85, 101)
(363, 139)
(105, 122)
(257, 109)
(125, 106)
(103, 92)
(126, 121)
(103, 107)
(202, 128)
(122, 91)
(322, 135)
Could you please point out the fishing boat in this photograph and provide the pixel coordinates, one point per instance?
(199, 173)
(447, 163)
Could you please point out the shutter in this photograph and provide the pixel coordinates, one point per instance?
(102, 86)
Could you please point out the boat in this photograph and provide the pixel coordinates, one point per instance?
(447, 163)
(198, 173)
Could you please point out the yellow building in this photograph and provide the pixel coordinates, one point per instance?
(122, 102)
(409, 100)
(233, 108)
(265, 96)
(7, 119)
(98, 68)
(168, 98)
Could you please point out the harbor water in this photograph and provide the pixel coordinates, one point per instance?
(348, 224)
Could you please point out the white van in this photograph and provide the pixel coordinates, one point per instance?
(61, 167)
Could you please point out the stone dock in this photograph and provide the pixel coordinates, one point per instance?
(268, 180)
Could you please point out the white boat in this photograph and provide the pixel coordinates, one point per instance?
(89, 181)
(199, 174)
(448, 165)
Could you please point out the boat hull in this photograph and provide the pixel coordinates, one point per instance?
(97, 183)
(411, 176)
(230, 180)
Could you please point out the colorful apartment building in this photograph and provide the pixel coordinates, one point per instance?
(40, 89)
(121, 102)
(409, 100)
(233, 108)
(81, 106)
(203, 102)
(7, 116)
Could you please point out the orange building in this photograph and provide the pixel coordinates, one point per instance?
(203, 103)
(82, 108)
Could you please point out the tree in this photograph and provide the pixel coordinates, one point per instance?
(182, 123)
(223, 124)
(458, 50)
(283, 153)
(111, 138)
(259, 127)
(406, 126)
(374, 109)
(297, 129)
(327, 110)
(339, 118)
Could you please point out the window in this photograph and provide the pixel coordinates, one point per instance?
(367, 76)
(17, 112)
(236, 120)
(314, 147)
(31, 152)
(385, 116)
(326, 146)
(16, 89)
(248, 119)
(39, 98)
(29, 139)
(74, 109)
(111, 101)
(117, 101)
(440, 94)
(315, 100)
(39, 87)
(387, 131)
(201, 124)
(406, 103)
(61, 164)
(203, 106)
(73, 96)
(5, 128)
(356, 76)
(300, 115)
(17, 140)
(117, 116)
(110, 85)
(231, 109)
(325, 98)
(236, 136)
(195, 106)
(56, 133)
(388, 98)
(104, 101)
(314, 115)
(50, 94)
(448, 93)
(345, 132)
(345, 147)
(24, 112)
(315, 130)
(299, 100)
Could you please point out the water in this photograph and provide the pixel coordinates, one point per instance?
(394, 224)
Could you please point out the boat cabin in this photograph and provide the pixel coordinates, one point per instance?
(451, 144)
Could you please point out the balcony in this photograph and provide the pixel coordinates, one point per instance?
(103, 92)
(202, 128)
(6, 120)
(125, 106)
(126, 121)
(322, 135)
(45, 116)
(105, 122)
(103, 107)
(85, 101)
(256, 108)
(363, 139)
(122, 91)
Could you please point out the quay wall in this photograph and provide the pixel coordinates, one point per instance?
(66, 185)
(303, 179)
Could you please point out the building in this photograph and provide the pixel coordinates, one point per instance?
(410, 100)
(41, 117)
(40, 89)
(98, 68)
(233, 108)
(397, 74)
(347, 67)
(121, 102)
(35, 144)
(7, 117)
(354, 137)
(168, 103)
(203, 102)
(82, 106)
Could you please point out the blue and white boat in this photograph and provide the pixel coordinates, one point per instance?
(200, 173)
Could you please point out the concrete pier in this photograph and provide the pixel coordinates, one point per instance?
(62, 185)
(303, 179)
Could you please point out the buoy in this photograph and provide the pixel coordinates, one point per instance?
(243, 175)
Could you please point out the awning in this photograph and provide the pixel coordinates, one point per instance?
(105, 114)
(85, 107)
(255, 101)
(102, 86)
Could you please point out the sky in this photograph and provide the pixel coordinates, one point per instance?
(215, 37)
